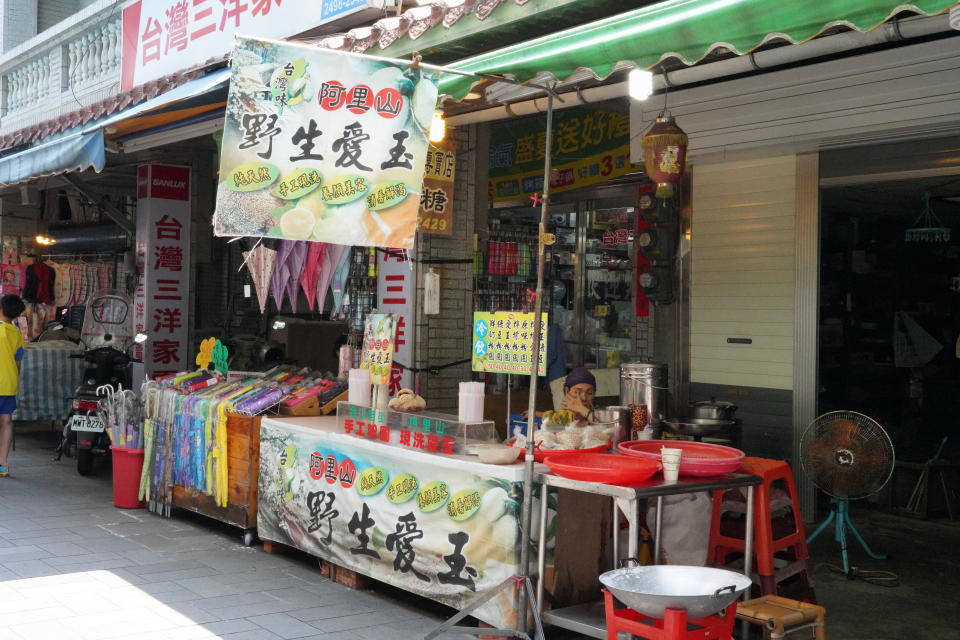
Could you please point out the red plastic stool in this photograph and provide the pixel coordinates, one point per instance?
(673, 626)
(765, 545)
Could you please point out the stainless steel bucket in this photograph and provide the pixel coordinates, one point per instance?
(620, 417)
(645, 384)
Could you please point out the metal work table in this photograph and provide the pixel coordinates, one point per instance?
(589, 618)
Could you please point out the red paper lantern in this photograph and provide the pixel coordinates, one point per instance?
(665, 153)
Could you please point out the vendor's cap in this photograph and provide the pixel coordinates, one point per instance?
(580, 375)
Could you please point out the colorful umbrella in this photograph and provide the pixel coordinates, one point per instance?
(339, 282)
(312, 269)
(295, 262)
(260, 262)
(332, 258)
(281, 273)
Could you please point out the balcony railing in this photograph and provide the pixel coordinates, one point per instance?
(67, 67)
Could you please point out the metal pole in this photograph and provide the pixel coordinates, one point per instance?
(527, 506)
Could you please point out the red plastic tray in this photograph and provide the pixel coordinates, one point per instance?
(608, 468)
(540, 454)
(698, 459)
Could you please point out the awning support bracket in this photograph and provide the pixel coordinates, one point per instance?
(111, 211)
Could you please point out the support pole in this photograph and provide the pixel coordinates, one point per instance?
(527, 505)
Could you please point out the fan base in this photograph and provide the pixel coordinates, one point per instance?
(840, 516)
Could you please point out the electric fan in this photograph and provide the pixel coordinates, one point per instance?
(848, 456)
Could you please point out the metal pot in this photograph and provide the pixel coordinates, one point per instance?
(713, 409)
(697, 426)
(620, 416)
(702, 591)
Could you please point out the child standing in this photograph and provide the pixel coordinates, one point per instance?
(11, 353)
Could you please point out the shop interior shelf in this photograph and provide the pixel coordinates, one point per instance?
(588, 618)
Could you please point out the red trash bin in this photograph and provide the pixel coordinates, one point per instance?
(127, 465)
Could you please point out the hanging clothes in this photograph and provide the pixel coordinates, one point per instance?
(39, 287)
(62, 285)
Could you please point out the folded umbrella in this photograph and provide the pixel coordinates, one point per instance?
(312, 269)
(331, 260)
(295, 262)
(260, 261)
(339, 282)
(281, 273)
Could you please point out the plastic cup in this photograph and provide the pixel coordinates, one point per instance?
(671, 455)
(645, 434)
(671, 473)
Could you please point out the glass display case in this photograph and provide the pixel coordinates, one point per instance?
(588, 285)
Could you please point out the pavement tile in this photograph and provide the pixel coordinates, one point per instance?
(64, 548)
(283, 625)
(254, 609)
(257, 634)
(30, 568)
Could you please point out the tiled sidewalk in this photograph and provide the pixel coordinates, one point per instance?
(73, 566)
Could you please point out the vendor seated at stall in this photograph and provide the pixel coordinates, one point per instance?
(579, 391)
(576, 408)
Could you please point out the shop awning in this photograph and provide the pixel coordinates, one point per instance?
(84, 148)
(76, 152)
(683, 29)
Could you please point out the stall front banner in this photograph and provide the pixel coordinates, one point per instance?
(589, 146)
(436, 198)
(161, 37)
(379, 334)
(442, 528)
(162, 300)
(395, 292)
(503, 342)
(323, 145)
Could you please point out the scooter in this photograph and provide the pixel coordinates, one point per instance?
(108, 364)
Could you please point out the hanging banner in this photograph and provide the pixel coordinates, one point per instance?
(395, 293)
(161, 37)
(503, 342)
(162, 300)
(445, 528)
(379, 333)
(436, 198)
(589, 147)
(323, 145)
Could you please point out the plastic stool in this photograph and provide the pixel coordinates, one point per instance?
(781, 616)
(765, 545)
(673, 626)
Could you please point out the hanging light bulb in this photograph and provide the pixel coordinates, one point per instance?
(639, 84)
(438, 127)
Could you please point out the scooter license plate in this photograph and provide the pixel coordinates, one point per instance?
(86, 423)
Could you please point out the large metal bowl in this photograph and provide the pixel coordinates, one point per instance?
(697, 426)
(702, 591)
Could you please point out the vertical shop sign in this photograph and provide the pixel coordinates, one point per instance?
(161, 37)
(395, 292)
(436, 196)
(324, 145)
(162, 301)
(379, 333)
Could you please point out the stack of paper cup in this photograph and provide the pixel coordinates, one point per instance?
(470, 402)
(670, 458)
(358, 387)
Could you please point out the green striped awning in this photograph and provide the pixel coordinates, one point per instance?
(684, 29)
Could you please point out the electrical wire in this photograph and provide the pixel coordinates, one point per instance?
(877, 578)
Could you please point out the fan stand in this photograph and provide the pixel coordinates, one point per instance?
(840, 516)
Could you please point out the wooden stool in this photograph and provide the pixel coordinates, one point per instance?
(780, 616)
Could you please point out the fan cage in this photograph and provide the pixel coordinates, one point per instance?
(847, 455)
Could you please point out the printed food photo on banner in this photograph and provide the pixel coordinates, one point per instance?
(323, 145)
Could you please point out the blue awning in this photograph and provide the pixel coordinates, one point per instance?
(84, 149)
(77, 152)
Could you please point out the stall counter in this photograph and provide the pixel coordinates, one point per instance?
(445, 527)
